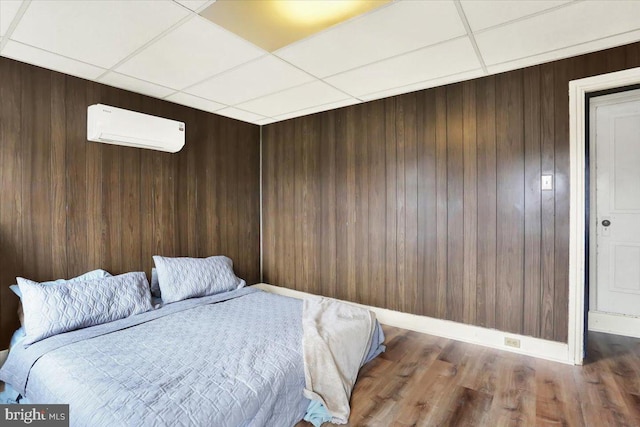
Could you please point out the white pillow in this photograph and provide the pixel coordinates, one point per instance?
(94, 274)
(53, 309)
(182, 278)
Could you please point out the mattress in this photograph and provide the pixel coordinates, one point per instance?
(234, 360)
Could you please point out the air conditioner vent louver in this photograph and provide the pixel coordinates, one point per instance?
(117, 126)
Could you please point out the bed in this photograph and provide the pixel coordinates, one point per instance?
(234, 358)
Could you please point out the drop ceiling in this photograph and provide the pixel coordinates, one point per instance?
(167, 50)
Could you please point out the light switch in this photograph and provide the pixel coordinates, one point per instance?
(547, 182)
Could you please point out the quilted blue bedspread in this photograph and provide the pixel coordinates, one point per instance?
(199, 362)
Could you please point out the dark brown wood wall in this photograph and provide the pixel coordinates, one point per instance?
(430, 202)
(68, 206)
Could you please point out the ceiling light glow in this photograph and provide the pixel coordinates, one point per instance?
(310, 12)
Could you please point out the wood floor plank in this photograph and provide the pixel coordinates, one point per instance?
(424, 380)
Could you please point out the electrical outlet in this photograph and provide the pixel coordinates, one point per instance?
(512, 342)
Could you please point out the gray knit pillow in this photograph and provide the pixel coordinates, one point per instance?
(182, 278)
(53, 309)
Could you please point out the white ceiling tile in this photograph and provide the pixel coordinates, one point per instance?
(580, 49)
(195, 102)
(8, 11)
(237, 114)
(190, 53)
(96, 32)
(447, 58)
(252, 80)
(294, 99)
(265, 121)
(487, 13)
(194, 5)
(45, 59)
(129, 83)
(318, 108)
(398, 28)
(423, 85)
(579, 23)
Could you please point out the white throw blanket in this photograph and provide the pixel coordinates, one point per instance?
(336, 340)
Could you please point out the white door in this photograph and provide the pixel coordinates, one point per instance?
(615, 221)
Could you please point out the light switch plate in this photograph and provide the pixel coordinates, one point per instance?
(547, 182)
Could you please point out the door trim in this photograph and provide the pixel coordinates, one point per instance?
(613, 323)
(578, 228)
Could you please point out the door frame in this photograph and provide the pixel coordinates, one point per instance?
(578, 203)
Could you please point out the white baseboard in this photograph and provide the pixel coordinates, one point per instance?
(536, 347)
(612, 323)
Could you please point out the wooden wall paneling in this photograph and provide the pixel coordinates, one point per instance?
(207, 203)
(547, 144)
(562, 74)
(94, 172)
(112, 182)
(186, 183)
(147, 241)
(131, 220)
(420, 202)
(487, 187)
(401, 206)
(342, 215)
(427, 205)
(248, 176)
(298, 184)
(351, 214)
(115, 186)
(112, 204)
(270, 204)
(36, 171)
(328, 205)
(455, 207)
(470, 201)
(222, 202)
(632, 55)
(615, 61)
(510, 206)
(277, 171)
(532, 203)
(76, 174)
(376, 290)
(59, 261)
(441, 202)
(392, 300)
(287, 210)
(11, 218)
(272, 212)
(468, 233)
(230, 227)
(273, 141)
(297, 178)
(69, 206)
(310, 203)
(169, 207)
(361, 218)
(314, 197)
(411, 203)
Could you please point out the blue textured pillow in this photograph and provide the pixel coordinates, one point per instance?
(54, 309)
(94, 274)
(182, 278)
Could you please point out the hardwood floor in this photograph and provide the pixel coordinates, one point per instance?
(424, 380)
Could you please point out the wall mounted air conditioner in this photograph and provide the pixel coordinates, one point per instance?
(113, 125)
